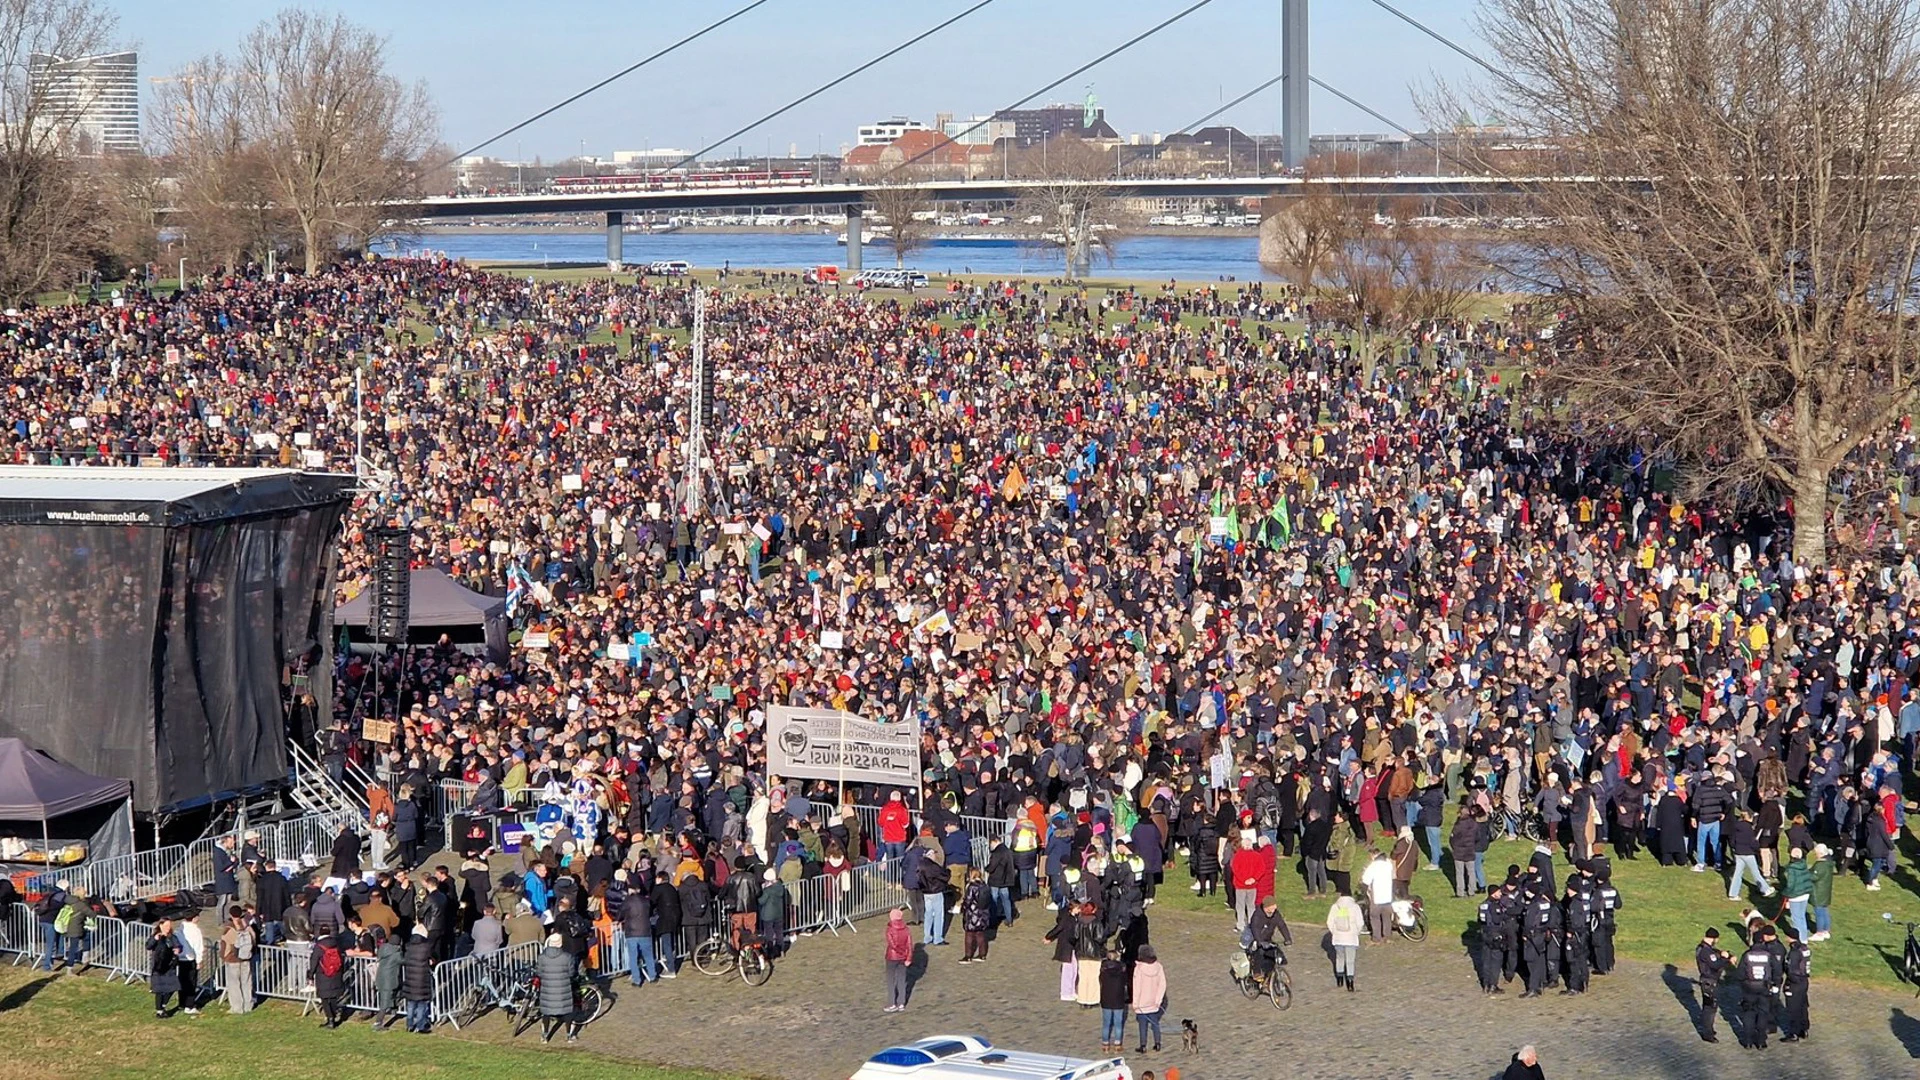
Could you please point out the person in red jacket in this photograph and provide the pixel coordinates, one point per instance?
(899, 954)
(1245, 869)
(895, 823)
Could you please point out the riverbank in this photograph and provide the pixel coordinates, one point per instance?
(560, 228)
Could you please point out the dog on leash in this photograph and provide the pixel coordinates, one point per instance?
(1190, 1036)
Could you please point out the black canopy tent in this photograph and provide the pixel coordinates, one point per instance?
(439, 605)
(153, 621)
(67, 805)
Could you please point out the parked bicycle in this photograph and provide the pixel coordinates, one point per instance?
(717, 956)
(1410, 918)
(1276, 983)
(500, 986)
(590, 1003)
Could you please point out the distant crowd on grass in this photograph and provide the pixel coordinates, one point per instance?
(1140, 584)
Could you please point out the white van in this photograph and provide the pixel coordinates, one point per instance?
(969, 1057)
(670, 268)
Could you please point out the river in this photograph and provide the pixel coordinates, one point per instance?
(1186, 258)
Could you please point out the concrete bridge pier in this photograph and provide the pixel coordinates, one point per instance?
(616, 235)
(854, 211)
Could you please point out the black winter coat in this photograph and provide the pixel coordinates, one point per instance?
(1062, 935)
(1205, 857)
(416, 970)
(1116, 986)
(666, 908)
(696, 902)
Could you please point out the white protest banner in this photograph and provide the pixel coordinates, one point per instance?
(826, 744)
(571, 482)
(536, 639)
(313, 459)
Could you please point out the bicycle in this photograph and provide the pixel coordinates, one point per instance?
(717, 956)
(1276, 984)
(1410, 918)
(499, 987)
(1530, 825)
(590, 1003)
(1910, 954)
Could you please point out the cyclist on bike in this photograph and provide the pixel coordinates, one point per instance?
(1262, 950)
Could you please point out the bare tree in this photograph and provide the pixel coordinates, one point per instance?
(1071, 204)
(340, 138)
(902, 203)
(50, 226)
(1742, 294)
(136, 191)
(224, 192)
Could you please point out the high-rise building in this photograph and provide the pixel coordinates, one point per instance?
(95, 100)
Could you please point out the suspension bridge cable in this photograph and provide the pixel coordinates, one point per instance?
(1102, 58)
(1444, 40)
(616, 76)
(824, 87)
(1230, 104)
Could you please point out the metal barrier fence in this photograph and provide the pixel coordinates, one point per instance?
(454, 796)
(21, 936)
(453, 979)
(285, 842)
(139, 875)
(982, 830)
(284, 972)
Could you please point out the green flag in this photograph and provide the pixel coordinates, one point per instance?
(1283, 520)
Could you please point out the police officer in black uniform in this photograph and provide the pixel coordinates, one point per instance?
(1499, 939)
(1793, 992)
(1607, 901)
(1539, 940)
(1577, 917)
(1760, 975)
(1711, 961)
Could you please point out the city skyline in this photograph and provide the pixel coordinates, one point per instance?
(508, 66)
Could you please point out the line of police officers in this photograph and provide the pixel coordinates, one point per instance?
(1524, 930)
(1772, 977)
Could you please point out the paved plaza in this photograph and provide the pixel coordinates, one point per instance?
(1418, 1013)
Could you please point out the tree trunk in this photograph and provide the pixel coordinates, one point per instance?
(312, 237)
(1810, 516)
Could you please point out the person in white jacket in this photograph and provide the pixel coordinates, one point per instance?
(193, 951)
(1377, 880)
(1343, 933)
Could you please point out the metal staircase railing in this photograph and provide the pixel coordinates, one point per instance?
(316, 793)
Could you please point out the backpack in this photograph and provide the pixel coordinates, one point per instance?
(47, 908)
(63, 922)
(243, 946)
(330, 960)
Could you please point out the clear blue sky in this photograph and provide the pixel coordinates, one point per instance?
(490, 63)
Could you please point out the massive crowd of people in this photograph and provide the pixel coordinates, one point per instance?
(1147, 571)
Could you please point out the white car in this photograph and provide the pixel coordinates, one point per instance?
(969, 1057)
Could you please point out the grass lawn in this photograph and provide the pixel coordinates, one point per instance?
(59, 1026)
(1664, 910)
